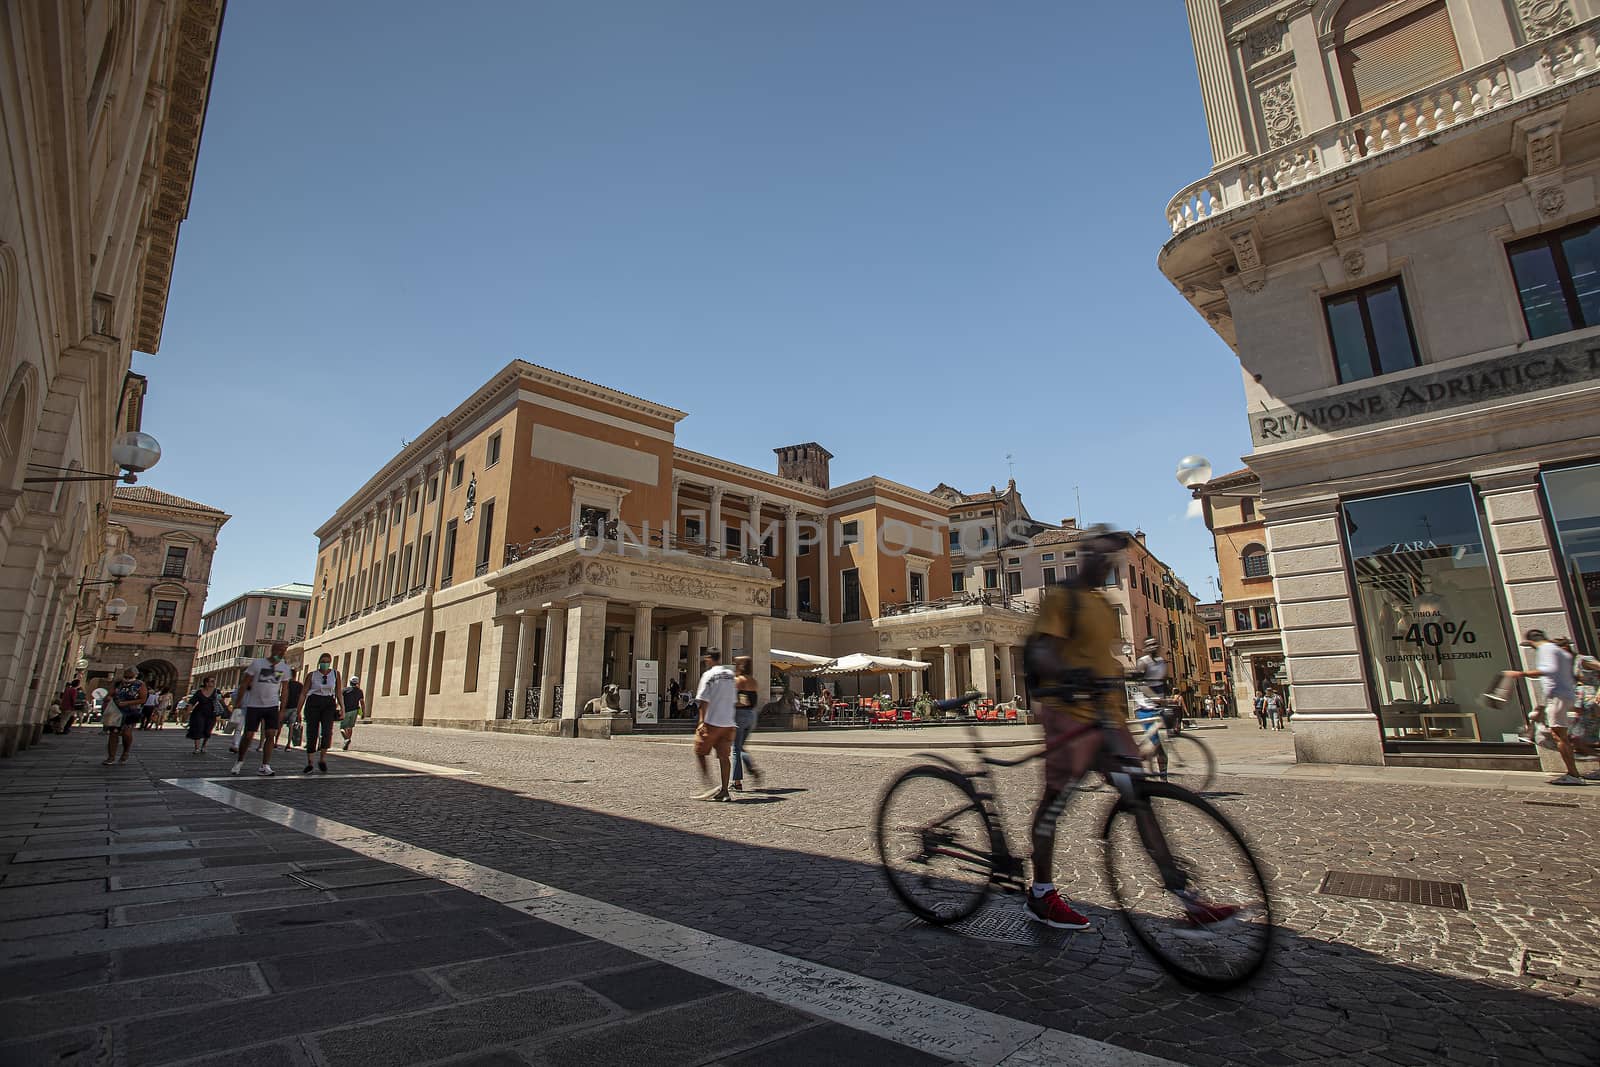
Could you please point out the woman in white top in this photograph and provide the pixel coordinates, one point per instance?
(320, 710)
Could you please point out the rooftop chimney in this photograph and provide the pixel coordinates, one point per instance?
(1069, 524)
(806, 463)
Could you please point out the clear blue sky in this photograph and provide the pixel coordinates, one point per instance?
(923, 234)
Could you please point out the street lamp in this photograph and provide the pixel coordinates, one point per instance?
(120, 566)
(116, 606)
(1193, 471)
(134, 452)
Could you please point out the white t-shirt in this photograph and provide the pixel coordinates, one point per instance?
(265, 678)
(717, 690)
(1554, 663)
(1154, 668)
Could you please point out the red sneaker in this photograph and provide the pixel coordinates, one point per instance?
(1051, 910)
(1203, 914)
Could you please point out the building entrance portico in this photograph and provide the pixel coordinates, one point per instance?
(971, 647)
(580, 617)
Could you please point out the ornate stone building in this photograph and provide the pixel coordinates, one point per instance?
(1231, 505)
(1400, 237)
(549, 537)
(101, 107)
(173, 542)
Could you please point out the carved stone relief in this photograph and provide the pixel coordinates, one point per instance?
(1279, 114)
(1541, 18)
(1263, 41)
(1552, 201)
(1355, 263)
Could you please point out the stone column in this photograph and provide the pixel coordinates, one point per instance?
(758, 644)
(981, 655)
(585, 655)
(697, 640)
(730, 627)
(641, 650)
(916, 676)
(715, 635)
(523, 677)
(1214, 58)
(753, 541)
(824, 570)
(1526, 559)
(949, 671)
(669, 657)
(791, 564)
(1008, 672)
(508, 639)
(551, 671)
(714, 537)
(1333, 716)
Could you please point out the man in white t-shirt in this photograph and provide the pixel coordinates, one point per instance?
(1553, 666)
(261, 694)
(717, 728)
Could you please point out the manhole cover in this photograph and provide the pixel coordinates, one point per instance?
(350, 879)
(1395, 890)
(1001, 923)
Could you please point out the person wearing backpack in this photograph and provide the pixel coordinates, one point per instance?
(128, 700)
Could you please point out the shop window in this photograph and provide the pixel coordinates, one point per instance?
(1371, 331)
(850, 582)
(1255, 562)
(1428, 605)
(1558, 279)
(1573, 494)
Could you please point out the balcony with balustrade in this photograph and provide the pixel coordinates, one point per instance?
(1490, 94)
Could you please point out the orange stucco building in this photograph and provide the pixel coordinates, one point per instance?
(548, 538)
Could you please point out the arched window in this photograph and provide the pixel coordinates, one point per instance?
(1254, 558)
(1388, 49)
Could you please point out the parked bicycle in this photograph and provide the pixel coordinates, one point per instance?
(944, 849)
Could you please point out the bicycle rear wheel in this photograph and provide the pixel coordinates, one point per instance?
(936, 844)
(1190, 762)
(1220, 870)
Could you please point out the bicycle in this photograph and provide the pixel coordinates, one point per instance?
(1172, 755)
(944, 850)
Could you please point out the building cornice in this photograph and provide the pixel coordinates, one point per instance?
(595, 391)
(800, 491)
(188, 83)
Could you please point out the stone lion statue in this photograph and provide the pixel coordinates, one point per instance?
(609, 702)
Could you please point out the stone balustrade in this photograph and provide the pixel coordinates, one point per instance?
(1517, 75)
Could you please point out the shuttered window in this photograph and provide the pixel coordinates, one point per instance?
(1400, 57)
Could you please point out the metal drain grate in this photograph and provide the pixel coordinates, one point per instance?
(1002, 923)
(356, 877)
(1395, 890)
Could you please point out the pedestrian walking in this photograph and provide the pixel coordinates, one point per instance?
(205, 705)
(355, 702)
(291, 708)
(1261, 710)
(147, 713)
(262, 692)
(321, 708)
(1555, 668)
(1211, 708)
(67, 706)
(746, 707)
(123, 715)
(1275, 709)
(715, 733)
(674, 706)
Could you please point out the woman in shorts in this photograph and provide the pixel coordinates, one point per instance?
(128, 701)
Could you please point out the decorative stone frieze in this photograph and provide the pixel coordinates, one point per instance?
(1541, 18)
(1279, 113)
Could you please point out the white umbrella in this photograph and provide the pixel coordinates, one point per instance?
(862, 663)
(788, 661)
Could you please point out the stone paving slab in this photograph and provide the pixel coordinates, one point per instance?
(113, 944)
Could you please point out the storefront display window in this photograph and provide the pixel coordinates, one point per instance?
(1574, 497)
(1431, 616)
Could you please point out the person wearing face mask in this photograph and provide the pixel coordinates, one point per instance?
(320, 709)
(262, 692)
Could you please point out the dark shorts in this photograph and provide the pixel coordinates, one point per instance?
(321, 712)
(257, 718)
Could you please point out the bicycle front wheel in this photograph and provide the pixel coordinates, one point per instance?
(1190, 762)
(936, 844)
(1219, 873)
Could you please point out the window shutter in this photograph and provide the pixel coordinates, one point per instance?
(1400, 58)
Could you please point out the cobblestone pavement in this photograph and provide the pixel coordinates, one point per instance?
(1514, 979)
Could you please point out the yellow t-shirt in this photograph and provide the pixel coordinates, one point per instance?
(1088, 633)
